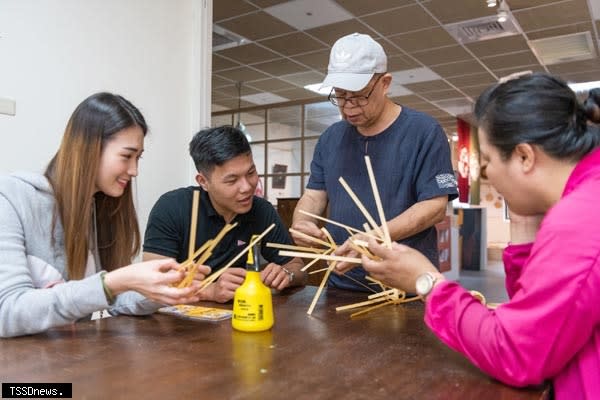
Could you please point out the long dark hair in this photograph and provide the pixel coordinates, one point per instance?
(72, 173)
(539, 109)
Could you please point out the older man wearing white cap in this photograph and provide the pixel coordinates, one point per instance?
(408, 150)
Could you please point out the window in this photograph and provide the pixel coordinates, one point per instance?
(283, 140)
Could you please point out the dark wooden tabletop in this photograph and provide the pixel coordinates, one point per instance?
(386, 354)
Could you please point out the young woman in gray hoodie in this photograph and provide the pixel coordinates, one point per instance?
(67, 237)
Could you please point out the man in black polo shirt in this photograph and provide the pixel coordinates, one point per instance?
(227, 178)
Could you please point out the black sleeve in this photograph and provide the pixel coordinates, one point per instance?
(164, 231)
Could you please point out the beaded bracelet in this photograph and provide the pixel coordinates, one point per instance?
(107, 292)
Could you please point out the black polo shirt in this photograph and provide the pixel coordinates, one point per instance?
(168, 229)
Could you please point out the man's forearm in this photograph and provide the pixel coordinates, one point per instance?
(314, 202)
(418, 217)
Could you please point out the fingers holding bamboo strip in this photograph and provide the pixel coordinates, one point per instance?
(310, 238)
(360, 250)
(348, 228)
(214, 276)
(332, 243)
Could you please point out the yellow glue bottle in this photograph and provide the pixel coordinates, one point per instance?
(252, 303)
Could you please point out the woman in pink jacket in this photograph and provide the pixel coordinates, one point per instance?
(540, 148)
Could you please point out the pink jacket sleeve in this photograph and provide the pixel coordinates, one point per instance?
(551, 315)
(514, 257)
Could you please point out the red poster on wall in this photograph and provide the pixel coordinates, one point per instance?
(463, 130)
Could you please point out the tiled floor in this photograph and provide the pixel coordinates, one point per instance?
(489, 281)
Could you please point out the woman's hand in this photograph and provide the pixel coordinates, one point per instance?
(399, 266)
(153, 279)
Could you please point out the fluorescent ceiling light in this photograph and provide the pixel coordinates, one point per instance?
(314, 87)
(502, 16)
(584, 86)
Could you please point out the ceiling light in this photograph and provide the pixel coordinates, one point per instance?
(315, 87)
(491, 3)
(584, 86)
(503, 11)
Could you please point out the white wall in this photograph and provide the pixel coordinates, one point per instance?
(498, 229)
(156, 53)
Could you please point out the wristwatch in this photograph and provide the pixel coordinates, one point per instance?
(289, 273)
(425, 283)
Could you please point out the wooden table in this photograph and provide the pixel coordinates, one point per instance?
(386, 354)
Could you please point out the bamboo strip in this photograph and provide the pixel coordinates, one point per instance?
(212, 277)
(356, 314)
(313, 262)
(361, 207)
(190, 260)
(316, 271)
(320, 289)
(328, 236)
(294, 247)
(360, 283)
(360, 243)
(349, 228)
(375, 189)
(194, 222)
(189, 277)
(391, 292)
(361, 304)
(360, 250)
(319, 256)
(310, 238)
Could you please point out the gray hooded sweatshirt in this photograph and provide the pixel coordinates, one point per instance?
(34, 292)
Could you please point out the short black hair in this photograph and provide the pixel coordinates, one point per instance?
(538, 109)
(215, 146)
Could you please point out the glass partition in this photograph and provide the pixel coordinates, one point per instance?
(283, 140)
(284, 123)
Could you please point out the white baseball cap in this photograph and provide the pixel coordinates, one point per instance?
(353, 61)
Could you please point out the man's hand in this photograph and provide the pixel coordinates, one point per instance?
(308, 228)
(202, 272)
(224, 288)
(345, 250)
(398, 267)
(275, 276)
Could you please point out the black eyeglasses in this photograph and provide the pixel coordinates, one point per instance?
(360, 101)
